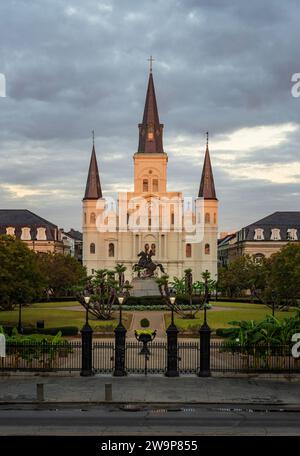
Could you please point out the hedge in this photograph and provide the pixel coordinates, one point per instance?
(65, 330)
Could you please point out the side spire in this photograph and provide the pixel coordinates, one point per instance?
(150, 130)
(207, 185)
(93, 186)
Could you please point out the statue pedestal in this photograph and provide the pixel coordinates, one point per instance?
(144, 287)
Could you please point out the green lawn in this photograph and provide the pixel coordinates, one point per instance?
(220, 319)
(53, 305)
(55, 317)
(238, 305)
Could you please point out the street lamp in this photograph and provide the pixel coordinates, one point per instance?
(87, 301)
(121, 300)
(172, 301)
(206, 299)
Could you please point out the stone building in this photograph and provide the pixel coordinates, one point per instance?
(150, 216)
(37, 233)
(261, 238)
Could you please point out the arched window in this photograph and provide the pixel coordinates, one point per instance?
(207, 249)
(163, 245)
(172, 218)
(92, 248)
(215, 218)
(188, 250)
(207, 217)
(145, 185)
(93, 218)
(150, 132)
(111, 249)
(155, 185)
(85, 218)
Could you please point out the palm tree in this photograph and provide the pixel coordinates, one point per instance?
(120, 269)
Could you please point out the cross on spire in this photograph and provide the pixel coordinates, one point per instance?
(93, 136)
(207, 139)
(151, 60)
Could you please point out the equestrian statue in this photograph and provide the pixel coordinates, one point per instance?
(146, 264)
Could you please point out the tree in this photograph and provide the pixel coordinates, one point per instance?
(283, 278)
(61, 272)
(20, 278)
(103, 289)
(186, 287)
(243, 273)
(120, 269)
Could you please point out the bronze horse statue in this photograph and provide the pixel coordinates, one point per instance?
(145, 262)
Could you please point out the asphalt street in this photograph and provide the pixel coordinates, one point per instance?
(182, 420)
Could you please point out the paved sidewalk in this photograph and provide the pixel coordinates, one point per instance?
(151, 389)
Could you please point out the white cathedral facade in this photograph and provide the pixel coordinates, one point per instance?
(180, 234)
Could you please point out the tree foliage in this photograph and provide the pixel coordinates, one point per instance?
(61, 273)
(275, 281)
(185, 286)
(103, 290)
(20, 278)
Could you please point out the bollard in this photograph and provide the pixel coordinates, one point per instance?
(40, 392)
(108, 392)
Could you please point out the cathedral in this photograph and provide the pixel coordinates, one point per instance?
(179, 232)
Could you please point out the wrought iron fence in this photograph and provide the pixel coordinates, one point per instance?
(42, 356)
(103, 357)
(224, 357)
(233, 357)
(188, 357)
(140, 362)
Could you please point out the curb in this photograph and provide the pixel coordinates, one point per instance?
(294, 406)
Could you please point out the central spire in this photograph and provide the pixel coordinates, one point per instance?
(150, 131)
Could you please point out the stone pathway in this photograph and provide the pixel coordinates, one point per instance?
(156, 319)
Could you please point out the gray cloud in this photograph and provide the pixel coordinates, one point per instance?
(74, 66)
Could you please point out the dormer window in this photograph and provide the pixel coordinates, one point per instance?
(10, 230)
(259, 234)
(275, 234)
(26, 236)
(292, 234)
(41, 234)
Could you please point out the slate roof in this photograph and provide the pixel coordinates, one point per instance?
(93, 186)
(20, 218)
(207, 185)
(77, 235)
(282, 220)
(150, 123)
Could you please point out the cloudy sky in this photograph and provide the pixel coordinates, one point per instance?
(220, 65)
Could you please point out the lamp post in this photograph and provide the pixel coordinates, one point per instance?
(205, 332)
(87, 343)
(87, 301)
(121, 300)
(172, 341)
(120, 341)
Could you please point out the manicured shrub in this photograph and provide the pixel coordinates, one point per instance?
(144, 323)
(65, 331)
